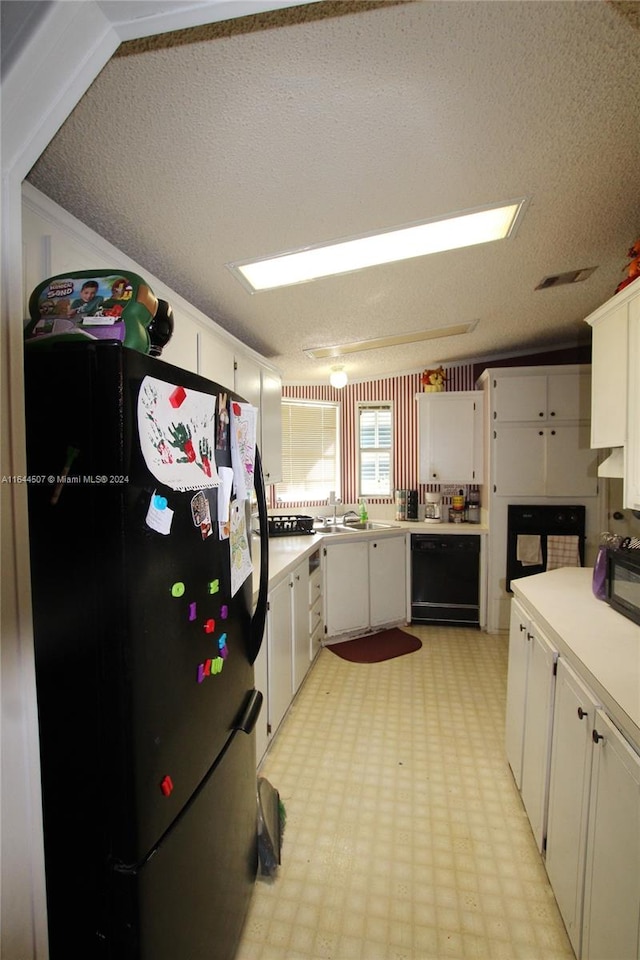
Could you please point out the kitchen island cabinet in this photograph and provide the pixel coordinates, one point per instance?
(593, 837)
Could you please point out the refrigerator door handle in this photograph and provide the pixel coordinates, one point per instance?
(249, 716)
(260, 614)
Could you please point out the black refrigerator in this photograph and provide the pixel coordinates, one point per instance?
(144, 652)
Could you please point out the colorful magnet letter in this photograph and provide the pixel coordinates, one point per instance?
(224, 611)
(217, 665)
(214, 586)
(192, 611)
(160, 503)
(167, 785)
(178, 588)
(200, 672)
(177, 397)
(222, 646)
(209, 626)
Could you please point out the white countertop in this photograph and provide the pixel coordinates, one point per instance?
(603, 645)
(286, 552)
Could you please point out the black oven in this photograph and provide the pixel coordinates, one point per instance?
(623, 582)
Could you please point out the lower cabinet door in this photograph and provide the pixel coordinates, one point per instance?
(346, 587)
(612, 886)
(537, 733)
(387, 580)
(571, 757)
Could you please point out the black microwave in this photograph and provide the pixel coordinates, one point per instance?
(623, 582)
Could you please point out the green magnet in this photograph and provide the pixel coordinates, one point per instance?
(177, 590)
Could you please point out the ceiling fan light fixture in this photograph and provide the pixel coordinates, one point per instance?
(464, 229)
(338, 377)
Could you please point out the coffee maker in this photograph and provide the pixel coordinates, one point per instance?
(433, 508)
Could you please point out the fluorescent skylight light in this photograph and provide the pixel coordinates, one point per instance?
(394, 340)
(400, 243)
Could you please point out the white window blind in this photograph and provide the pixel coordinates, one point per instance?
(310, 450)
(375, 432)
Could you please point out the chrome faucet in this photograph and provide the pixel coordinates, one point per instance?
(350, 513)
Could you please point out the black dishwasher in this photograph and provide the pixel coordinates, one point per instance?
(445, 579)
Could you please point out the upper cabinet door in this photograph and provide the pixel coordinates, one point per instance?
(216, 360)
(450, 437)
(271, 415)
(569, 396)
(541, 397)
(520, 398)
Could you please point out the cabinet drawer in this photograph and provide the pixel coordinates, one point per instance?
(315, 587)
(315, 615)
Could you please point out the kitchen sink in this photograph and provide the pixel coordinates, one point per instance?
(368, 525)
(331, 528)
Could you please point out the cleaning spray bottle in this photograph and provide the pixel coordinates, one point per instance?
(364, 516)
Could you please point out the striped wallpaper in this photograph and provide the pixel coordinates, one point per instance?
(401, 391)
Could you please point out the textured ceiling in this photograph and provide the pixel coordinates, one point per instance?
(262, 135)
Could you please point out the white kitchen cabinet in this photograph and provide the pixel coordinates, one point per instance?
(632, 466)
(569, 788)
(364, 584)
(519, 643)
(544, 461)
(450, 437)
(529, 715)
(541, 396)
(247, 381)
(387, 581)
(611, 929)
(182, 349)
(262, 386)
(615, 407)
(316, 613)
(346, 584)
(271, 425)
(280, 642)
(216, 360)
(538, 721)
(609, 350)
(300, 661)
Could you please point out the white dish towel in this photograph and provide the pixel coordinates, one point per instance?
(529, 550)
(562, 552)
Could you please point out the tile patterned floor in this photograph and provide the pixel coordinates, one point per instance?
(405, 836)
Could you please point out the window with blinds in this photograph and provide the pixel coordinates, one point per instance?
(375, 449)
(310, 450)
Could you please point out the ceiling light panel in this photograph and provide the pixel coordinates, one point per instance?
(400, 243)
(340, 349)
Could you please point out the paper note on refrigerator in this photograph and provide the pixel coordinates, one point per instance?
(243, 446)
(224, 502)
(241, 566)
(177, 434)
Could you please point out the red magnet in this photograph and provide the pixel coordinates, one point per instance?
(167, 785)
(209, 626)
(177, 397)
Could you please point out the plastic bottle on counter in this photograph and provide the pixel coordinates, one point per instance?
(364, 516)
